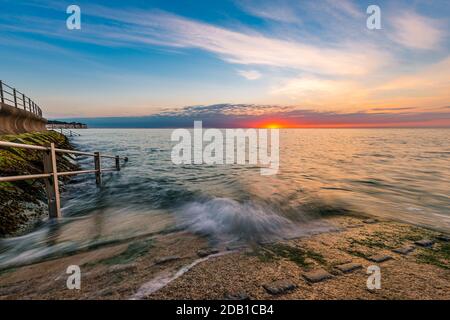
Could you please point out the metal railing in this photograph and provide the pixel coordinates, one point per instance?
(51, 174)
(66, 132)
(11, 96)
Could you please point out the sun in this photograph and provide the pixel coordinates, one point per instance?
(272, 126)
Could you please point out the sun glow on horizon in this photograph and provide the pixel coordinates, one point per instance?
(276, 124)
(273, 126)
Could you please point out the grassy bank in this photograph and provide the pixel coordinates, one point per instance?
(23, 203)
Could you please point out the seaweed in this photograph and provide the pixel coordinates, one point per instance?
(16, 197)
(438, 256)
(297, 255)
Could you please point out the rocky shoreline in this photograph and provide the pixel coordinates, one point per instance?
(24, 203)
(414, 263)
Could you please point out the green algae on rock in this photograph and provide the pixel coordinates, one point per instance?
(24, 203)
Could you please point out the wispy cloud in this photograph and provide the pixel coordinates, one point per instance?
(310, 54)
(416, 31)
(244, 115)
(347, 7)
(424, 87)
(250, 74)
(281, 11)
(237, 47)
(254, 48)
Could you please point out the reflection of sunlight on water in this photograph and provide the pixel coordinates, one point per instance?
(384, 173)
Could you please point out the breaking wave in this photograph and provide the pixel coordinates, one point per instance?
(226, 219)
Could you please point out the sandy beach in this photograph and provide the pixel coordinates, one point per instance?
(147, 269)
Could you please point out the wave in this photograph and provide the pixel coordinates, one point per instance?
(228, 220)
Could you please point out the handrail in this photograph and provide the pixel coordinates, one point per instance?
(15, 98)
(64, 132)
(51, 173)
(27, 177)
(33, 147)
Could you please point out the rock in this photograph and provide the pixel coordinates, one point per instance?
(351, 226)
(424, 243)
(370, 221)
(166, 259)
(404, 250)
(349, 267)
(279, 287)
(24, 203)
(123, 267)
(105, 292)
(236, 247)
(317, 275)
(237, 296)
(379, 258)
(207, 252)
(443, 237)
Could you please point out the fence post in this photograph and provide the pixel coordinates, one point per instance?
(117, 163)
(23, 102)
(15, 98)
(98, 168)
(51, 183)
(1, 92)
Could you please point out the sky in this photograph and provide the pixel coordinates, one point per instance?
(232, 63)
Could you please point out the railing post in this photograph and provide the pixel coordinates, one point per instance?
(51, 183)
(23, 102)
(1, 92)
(117, 163)
(15, 98)
(98, 168)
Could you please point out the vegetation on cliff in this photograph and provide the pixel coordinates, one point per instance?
(23, 203)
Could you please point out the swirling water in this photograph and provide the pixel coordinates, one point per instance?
(399, 174)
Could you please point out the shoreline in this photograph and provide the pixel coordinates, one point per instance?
(122, 271)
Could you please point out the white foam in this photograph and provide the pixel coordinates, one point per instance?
(227, 220)
(164, 278)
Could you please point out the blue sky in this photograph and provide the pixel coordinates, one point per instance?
(135, 58)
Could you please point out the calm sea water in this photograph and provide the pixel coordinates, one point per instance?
(398, 174)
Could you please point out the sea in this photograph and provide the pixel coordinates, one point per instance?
(389, 174)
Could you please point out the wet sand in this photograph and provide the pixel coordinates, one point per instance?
(184, 266)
